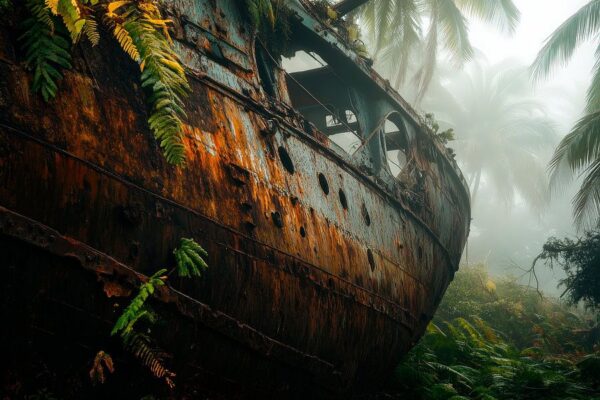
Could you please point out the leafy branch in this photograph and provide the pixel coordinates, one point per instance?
(189, 262)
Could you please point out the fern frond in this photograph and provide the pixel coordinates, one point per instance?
(143, 34)
(70, 13)
(137, 309)
(189, 257)
(39, 11)
(472, 333)
(125, 41)
(52, 5)
(46, 49)
(141, 347)
(90, 30)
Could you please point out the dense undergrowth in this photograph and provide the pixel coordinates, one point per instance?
(501, 340)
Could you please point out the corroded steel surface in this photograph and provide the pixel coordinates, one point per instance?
(320, 262)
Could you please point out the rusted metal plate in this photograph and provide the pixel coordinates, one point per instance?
(337, 289)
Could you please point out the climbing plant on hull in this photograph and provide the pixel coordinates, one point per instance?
(53, 26)
(189, 262)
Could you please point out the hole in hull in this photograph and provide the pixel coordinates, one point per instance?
(365, 214)
(286, 160)
(323, 183)
(371, 259)
(277, 220)
(343, 199)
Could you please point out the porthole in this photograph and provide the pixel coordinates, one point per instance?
(277, 220)
(324, 184)
(286, 160)
(343, 200)
(365, 214)
(371, 259)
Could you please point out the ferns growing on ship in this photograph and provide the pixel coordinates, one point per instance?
(271, 20)
(189, 261)
(46, 48)
(188, 257)
(53, 26)
(144, 35)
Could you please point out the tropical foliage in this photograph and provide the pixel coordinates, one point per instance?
(580, 260)
(411, 33)
(500, 340)
(188, 263)
(53, 26)
(270, 19)
(578, 153)
(502, 132)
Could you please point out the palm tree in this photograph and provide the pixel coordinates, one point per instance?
(501, 131)
(395, 27)
(579, 152)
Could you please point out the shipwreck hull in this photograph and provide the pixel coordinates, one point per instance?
(321, 275)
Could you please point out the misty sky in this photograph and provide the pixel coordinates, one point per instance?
(539, 18)
(564, 95)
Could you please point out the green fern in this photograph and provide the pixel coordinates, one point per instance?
(162, 77)
(70, 13)
(46, 49)
(261, 13)
(189, 257)
(189, 263)
(142, 33)
(138, 344)
(137, 309)
(271, 21)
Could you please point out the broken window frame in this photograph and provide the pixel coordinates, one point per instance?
(401, 142)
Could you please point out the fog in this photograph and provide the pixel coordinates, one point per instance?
(512, 216)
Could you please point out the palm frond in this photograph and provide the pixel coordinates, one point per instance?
(454, 31)
(503, 13)
(586, 204)
(593, 91)
(581, 146)
(559, 47)
(425, 73)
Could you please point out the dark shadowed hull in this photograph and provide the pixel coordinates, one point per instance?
(304, 289)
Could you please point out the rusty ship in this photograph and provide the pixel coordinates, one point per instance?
(333, 219)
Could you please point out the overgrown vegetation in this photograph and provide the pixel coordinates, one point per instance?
(433, 126)
(580, 260)
(500, 340)
(270, 19)
(189, 262)
(54, 26)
